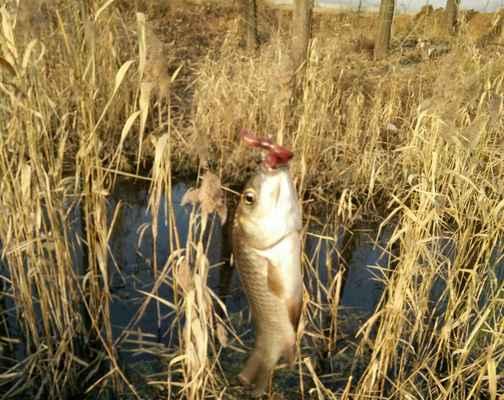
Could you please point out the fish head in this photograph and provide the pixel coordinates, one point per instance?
(269, 208)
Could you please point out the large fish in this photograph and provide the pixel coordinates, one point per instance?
(267, 253)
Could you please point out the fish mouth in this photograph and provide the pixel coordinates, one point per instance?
(277, 156)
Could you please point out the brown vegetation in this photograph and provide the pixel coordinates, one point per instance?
(95, 90)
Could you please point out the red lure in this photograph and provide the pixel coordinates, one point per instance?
(277, 155)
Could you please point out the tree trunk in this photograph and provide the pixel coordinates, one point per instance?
(248, 24)
(301, 32)
(451, 12)
(382, 41)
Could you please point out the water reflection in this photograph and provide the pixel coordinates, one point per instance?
(132, 270)
(131, 267)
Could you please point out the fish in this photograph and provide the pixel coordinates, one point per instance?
(266, 245)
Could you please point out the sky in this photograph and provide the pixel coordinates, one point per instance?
(413, 5)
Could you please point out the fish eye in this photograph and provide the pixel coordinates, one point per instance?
(249, 197)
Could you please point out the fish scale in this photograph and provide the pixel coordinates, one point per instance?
(262, 301)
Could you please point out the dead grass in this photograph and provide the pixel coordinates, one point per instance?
(104, 88)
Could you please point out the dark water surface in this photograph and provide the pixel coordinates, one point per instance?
(132, 245)
(131, 271)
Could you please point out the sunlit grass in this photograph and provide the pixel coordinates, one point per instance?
(97, 90)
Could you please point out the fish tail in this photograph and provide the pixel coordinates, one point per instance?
(265, 371)
(259, 367)
(248, 374)
(261, 380)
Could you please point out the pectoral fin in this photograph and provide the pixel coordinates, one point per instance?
(275, 282)
(276, 286)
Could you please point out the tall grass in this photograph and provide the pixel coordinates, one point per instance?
(98, 91)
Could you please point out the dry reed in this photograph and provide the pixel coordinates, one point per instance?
(412, 142)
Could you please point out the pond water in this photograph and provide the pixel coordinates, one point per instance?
(132, 276)
(145, 335)
(133, 258)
